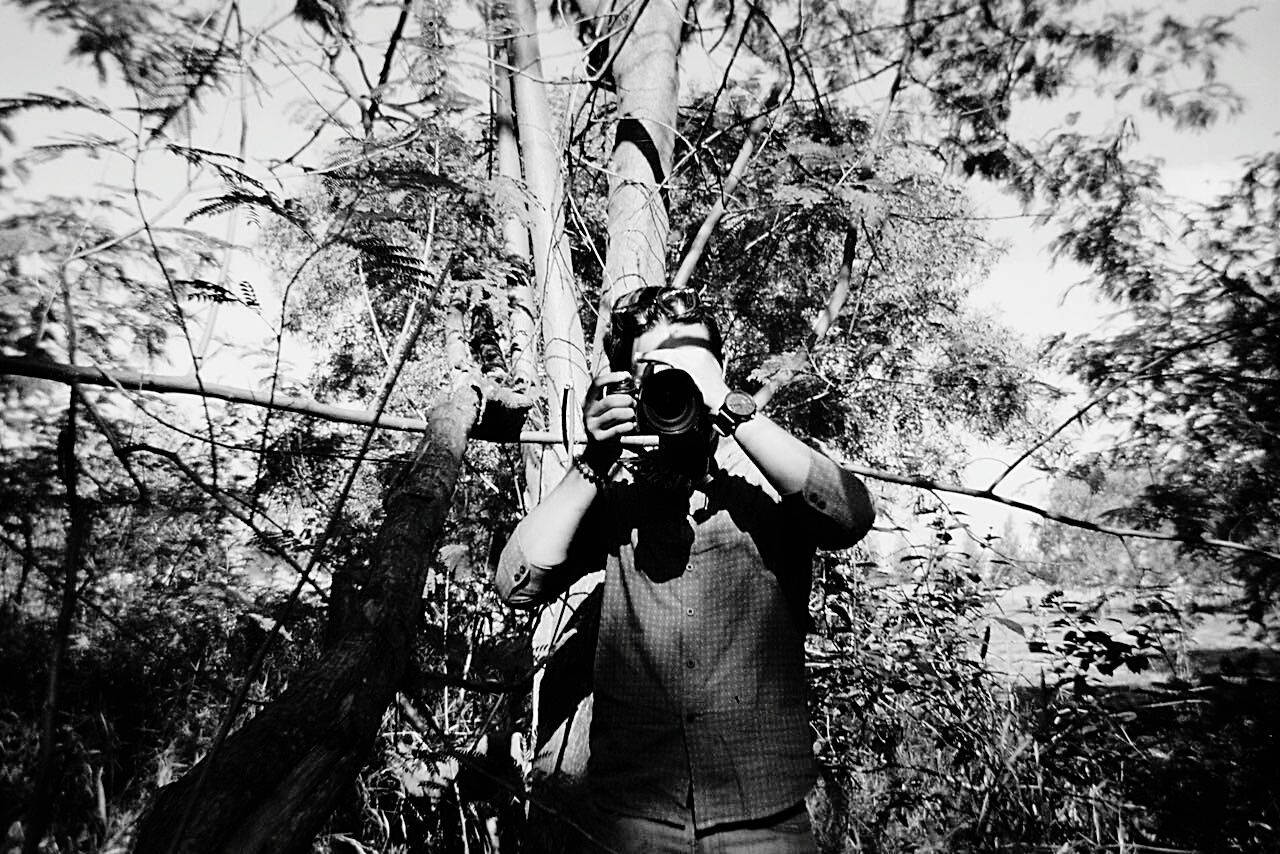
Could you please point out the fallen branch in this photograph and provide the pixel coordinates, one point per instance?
(492, 427)
(169, 384)
(506, 429)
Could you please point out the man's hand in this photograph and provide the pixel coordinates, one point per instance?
(698, 363)
(607, 417)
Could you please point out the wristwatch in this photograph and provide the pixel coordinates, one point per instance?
(738, 408)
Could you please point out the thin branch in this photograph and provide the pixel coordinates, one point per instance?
(385, 73)
(70, 374)
(125, 381)
(404, 347)
(39, 813)
(177, 303)
(1051, 515)
(1103, 395)
(263, 538)
(136, 381)
(113, 439)
(822, 323)
(903, 64)
(699, 243)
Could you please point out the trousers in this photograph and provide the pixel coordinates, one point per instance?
(787, 832)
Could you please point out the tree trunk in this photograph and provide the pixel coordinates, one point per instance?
(555, 301)
(43, 791)
(276, 779)
(645, 73)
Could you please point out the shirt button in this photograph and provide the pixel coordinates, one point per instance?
(688, 612)
(691, 664)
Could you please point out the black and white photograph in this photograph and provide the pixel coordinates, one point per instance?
(639, 427)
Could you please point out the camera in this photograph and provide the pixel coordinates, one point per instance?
(668, 402)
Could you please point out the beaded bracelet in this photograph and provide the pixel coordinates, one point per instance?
(584, 468)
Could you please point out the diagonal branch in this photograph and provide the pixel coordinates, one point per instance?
(1104, 394)
(699, 243)
(1051, 515)
(113, 439)
(130, 380)
(263, 537)
(822, 323)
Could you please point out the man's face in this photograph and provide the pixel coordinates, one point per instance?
(667, 335)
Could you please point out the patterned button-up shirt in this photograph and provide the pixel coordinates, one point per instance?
(699, 668)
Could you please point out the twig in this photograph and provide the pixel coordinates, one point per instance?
(1104, 394)
(113, 439)
(218, 495)
(1051, 515)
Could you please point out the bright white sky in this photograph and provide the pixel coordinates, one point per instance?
(1036, 296)
(1031, 294)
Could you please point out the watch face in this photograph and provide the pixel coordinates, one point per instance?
(740, 404)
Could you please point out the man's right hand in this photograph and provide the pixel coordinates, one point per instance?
(608, 415)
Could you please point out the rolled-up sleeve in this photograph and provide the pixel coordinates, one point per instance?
(523, 584)
(519, 583)
(834, 504)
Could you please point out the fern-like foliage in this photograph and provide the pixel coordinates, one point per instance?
(388, 263)
(203, 290)
(168, 56)
(255, 202)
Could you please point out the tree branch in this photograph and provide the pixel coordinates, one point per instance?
(129, 380)
(699, 243)
(1051, 515)
(1103, 395)
(217, 495)
(503, 431)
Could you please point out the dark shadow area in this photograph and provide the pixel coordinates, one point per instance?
(1200, 763)
(1236, 663)
(568, 677)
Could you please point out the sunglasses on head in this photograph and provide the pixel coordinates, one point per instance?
(636, 310)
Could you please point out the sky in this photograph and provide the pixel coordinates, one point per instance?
(1032, 294)
(1037, 296)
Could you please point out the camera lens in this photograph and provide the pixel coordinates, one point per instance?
(670, 403)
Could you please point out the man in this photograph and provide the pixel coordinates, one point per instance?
(699, 738)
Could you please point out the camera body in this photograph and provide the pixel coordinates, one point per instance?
(668, 402)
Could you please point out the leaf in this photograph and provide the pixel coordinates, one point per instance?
(1012, 625)
(784, 365)
(456, 559)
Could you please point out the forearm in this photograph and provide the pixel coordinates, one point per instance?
(782, 458)
(549, 528)
(837, 500)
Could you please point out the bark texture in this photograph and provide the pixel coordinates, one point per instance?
(564, 354)
(645, 74)
(642, 65)
(277, 778)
